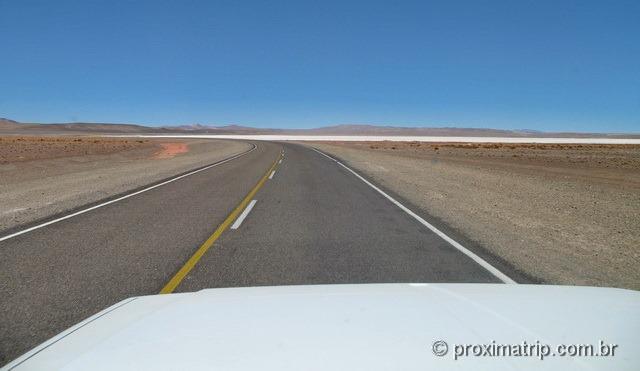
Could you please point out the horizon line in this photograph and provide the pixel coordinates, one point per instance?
(378, 125)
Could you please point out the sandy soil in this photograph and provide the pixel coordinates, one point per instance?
(171, 150)
(43, 176)
(566, 214)
(28, 148)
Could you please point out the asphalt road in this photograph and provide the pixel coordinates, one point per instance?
(313, 222)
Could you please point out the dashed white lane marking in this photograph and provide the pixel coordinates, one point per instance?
(123, 197)
(271, 175)
(483, 263)
(244, 214)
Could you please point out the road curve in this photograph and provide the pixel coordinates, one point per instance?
(316, 223)
(311, 222)
(53, 277)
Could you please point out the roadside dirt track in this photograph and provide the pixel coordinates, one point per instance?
(43, 176)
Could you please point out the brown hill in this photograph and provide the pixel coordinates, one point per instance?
(6, 124)
(13, 127)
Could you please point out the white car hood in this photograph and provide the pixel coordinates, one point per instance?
(347, 327)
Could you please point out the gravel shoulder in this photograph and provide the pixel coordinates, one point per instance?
(44, 176)
(565, 214)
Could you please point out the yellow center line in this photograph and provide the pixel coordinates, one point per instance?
(193, 260)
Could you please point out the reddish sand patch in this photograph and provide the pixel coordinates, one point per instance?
(170, 150)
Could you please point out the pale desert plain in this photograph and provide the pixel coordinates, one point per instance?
(41, 176)
(559, 213)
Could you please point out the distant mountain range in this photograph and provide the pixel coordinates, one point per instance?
(14, 127)
(8, 126)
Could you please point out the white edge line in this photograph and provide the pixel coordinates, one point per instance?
(483, 263)
(271, 175)
(244, 214)
(123, 197)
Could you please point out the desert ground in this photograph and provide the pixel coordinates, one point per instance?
(560, 213)
(42, 176)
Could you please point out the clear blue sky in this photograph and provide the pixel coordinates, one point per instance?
(547, 65)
